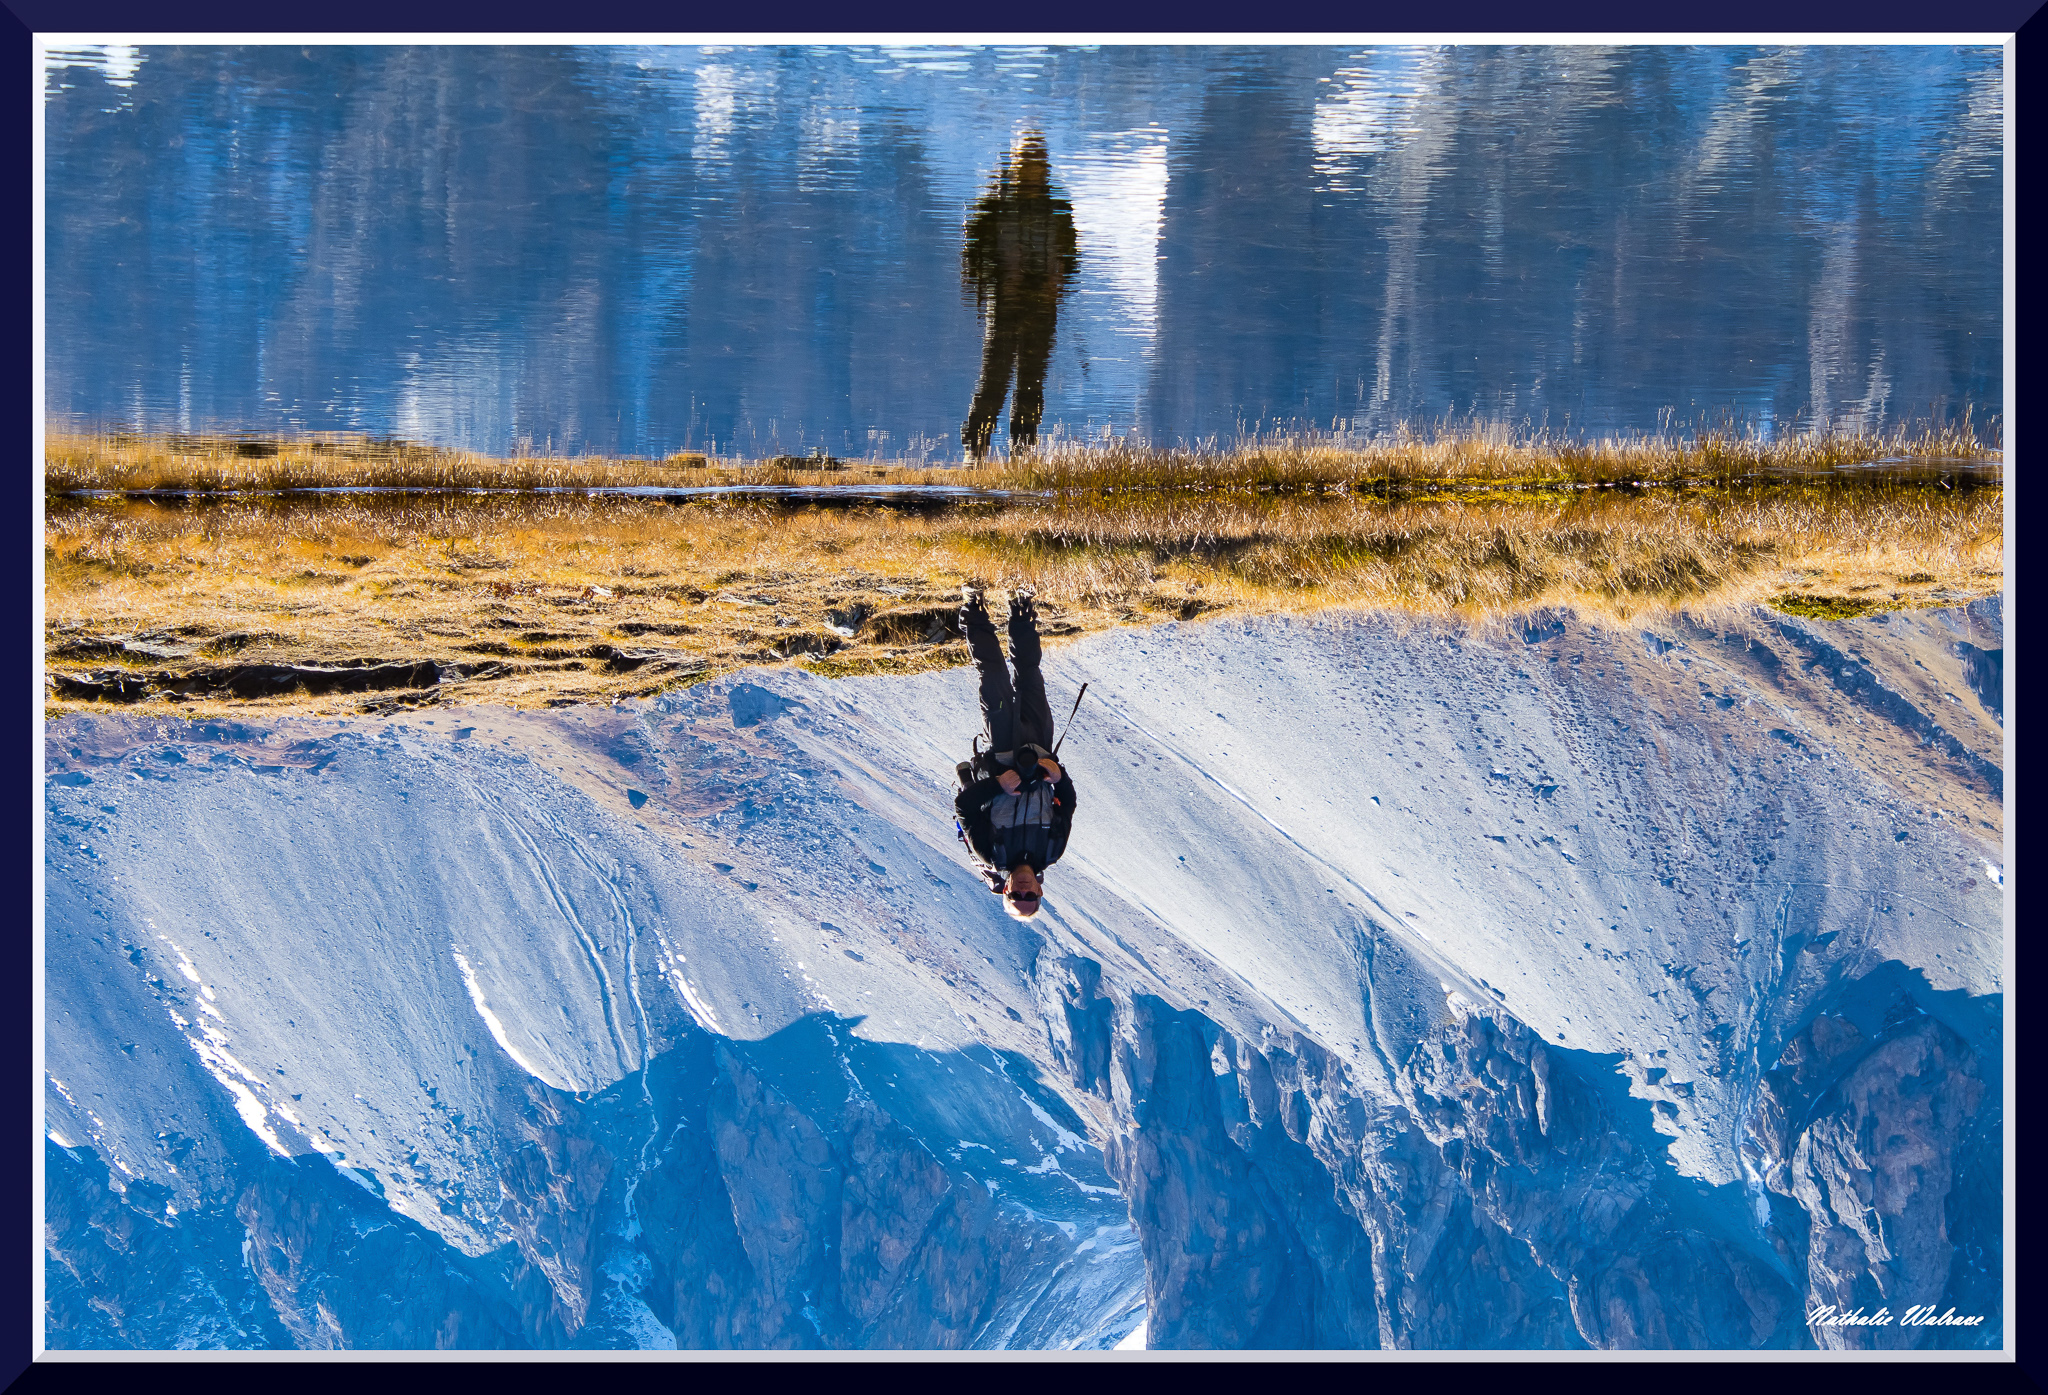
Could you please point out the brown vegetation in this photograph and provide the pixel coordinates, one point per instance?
(335, 603)
(1404, 461)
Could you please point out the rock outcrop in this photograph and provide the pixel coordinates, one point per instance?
(720, 1202)
(1868, 1137)
(1499, 1202)
(1504, 1199)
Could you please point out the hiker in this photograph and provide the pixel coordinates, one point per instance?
(1016, 806)
(1020, 258)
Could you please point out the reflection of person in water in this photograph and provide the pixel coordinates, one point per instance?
(1020, 258)
(1016, 806)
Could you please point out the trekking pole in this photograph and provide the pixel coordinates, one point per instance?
(1070, 721)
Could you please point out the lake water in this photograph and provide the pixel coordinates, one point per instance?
(641, 250)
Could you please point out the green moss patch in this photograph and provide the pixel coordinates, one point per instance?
(1812, 607)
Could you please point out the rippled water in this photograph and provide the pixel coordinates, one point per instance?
(642, 250)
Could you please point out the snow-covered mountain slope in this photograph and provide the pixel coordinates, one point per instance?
(1401, 986)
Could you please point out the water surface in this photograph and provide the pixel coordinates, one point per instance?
(641, 250)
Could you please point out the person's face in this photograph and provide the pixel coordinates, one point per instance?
(1024, 889)
(1033, 170)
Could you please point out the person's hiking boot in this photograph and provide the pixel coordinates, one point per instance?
(973, 602)
(1023, 607)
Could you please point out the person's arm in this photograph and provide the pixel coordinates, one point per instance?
(970, 802)
(1062, 819)
(978, 837)
(977, 253)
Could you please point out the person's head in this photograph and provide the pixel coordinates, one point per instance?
(1023, 892)
(1028, 163)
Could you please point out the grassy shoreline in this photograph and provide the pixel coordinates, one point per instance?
(1403, 462)
(531, 601)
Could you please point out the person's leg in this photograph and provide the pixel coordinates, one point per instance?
(998, 695)
(1034, 717)
(998, 359)
(1034, 353)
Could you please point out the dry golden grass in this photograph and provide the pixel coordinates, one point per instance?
(571, 598)
(1303, 462)
(213, 464)
(1410, 461)
(1611, 553)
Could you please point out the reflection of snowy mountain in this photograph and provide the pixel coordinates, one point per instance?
(1416, 989)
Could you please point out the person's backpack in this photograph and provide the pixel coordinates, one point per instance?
(971, 771)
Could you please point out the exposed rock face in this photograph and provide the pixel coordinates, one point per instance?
(1225, 1266)
(553, 1183)
(1077, 1019)
(1875, 1170)
(341, 1274)
(781, 1215)
(1501, 1200)
(122, 1273)
(1501, 1196)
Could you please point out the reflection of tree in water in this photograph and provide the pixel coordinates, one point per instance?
(1020, 258)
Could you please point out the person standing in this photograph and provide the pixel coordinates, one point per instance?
(1016, 805)
(1020, 258)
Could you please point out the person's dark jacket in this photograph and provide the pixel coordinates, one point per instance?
(977, 827)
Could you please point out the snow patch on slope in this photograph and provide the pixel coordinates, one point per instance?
(497, 1028)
